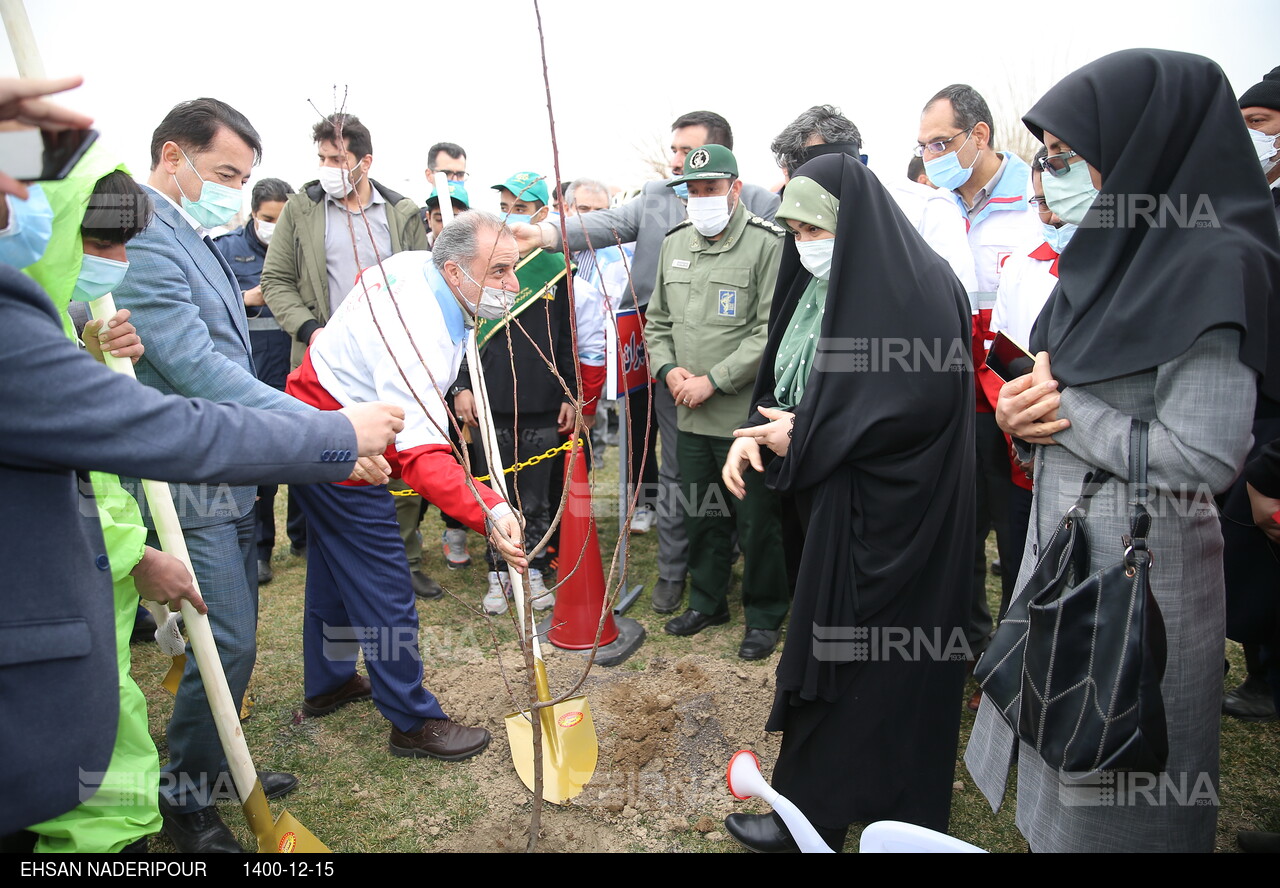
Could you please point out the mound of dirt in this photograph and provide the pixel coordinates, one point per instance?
(666, 731)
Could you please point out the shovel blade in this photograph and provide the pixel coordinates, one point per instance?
(284, 835)
(173, 677)
(288, 836)
(569, 748)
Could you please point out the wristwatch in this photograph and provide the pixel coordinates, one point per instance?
(453, 392)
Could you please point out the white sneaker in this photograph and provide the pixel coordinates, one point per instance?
(495, 600)
(642, 520)
(541, 597)
(455, 547)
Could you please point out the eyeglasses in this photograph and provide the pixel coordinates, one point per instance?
(1057, 165)
(452, 175)
(939, 146)
(1037, 201)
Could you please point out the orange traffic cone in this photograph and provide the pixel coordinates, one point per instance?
(580, 595)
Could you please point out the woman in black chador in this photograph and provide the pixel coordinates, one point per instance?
(865, 417)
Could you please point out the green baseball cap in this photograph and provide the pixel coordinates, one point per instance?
(527, 186)
(708, 162)
(457, 193)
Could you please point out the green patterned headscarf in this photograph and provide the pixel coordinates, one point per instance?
(804, 200)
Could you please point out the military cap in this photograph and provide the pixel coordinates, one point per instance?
(708, 162)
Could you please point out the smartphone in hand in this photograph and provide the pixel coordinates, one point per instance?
(1007, 359)
(35, 155)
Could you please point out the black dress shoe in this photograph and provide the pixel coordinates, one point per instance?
(1250, 701)
(277, 784)
(200, 832)
(759, 643)
(298, 551)
(763, 833)
(691, 622)
(1258, 842)
(265, 574)
(424, 586)
(666, 596)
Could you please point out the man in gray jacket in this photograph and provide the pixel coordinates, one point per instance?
(646, 221)
(330, 231)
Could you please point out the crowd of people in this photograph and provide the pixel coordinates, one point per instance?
(811, 394)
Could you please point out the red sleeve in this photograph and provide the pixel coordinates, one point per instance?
(990, 384)
(434, 473)
(981, 342)
(592, 385)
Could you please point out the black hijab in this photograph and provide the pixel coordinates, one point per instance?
(882, 450)
(1132, 295)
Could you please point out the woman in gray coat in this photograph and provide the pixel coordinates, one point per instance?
(1159, 314)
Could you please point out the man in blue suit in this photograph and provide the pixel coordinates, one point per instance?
(60, 413)
(188, 308)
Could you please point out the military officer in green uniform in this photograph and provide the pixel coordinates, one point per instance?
(706, 329)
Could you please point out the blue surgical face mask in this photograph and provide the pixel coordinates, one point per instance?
(1070, 195)
(517, 219)
(98, 277)
(681, 190)
(946, 172)
(1058, 238)
(32, 224)
(216, 204)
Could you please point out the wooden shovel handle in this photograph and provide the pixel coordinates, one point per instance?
(165, 517)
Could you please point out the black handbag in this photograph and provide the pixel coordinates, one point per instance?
(1076, 664)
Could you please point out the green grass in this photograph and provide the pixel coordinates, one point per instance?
(357, 797)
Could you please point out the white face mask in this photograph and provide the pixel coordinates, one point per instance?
(710, 215)
(494, 301)
(337, 183)
(264, 230)
(816, 256)
(1266, 147)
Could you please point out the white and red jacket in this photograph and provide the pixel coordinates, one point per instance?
(400, 340)
(1003, 227)
(1025, 285)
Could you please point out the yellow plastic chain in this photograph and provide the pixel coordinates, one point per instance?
(531, 461)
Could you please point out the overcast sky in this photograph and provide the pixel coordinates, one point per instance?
(470, 72)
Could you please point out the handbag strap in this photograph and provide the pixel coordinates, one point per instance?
(1093, 482)
(1139, 493)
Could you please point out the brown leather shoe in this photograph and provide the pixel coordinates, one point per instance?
(356, 688)
(440, 738)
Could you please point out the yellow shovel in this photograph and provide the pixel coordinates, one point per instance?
(569, 746)
(285, 834)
